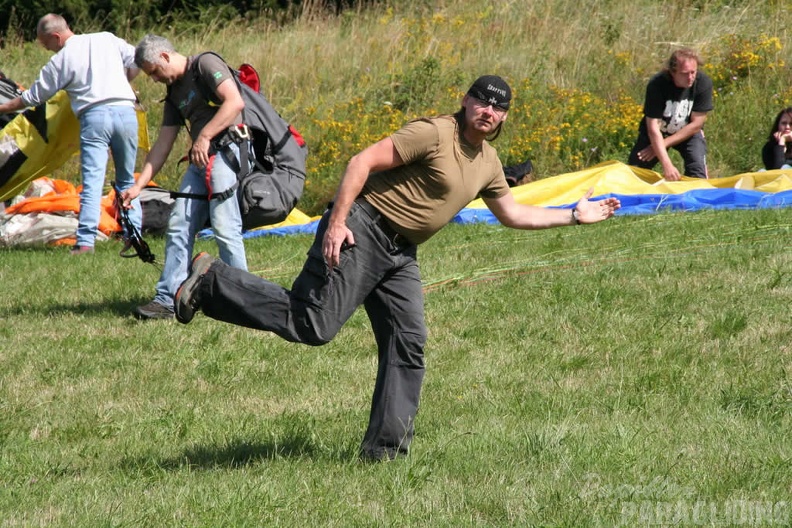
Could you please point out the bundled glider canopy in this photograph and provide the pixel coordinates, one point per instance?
(40, 140)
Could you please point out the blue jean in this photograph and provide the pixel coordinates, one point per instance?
(190, 215)
(376, 273)
(102, 127)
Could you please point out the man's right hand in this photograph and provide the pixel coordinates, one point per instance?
(337, 237)
(647, 154)
(129, 195)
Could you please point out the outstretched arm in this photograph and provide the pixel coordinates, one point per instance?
(520, 216)
(154, 161)
(659, 149)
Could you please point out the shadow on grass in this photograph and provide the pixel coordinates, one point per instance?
(236, 454)
(239, 453)
(118, 307)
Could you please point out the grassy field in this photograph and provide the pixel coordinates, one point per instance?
(631, 373)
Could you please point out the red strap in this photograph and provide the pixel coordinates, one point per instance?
(249, 76)
(209, 175)
(297, 136)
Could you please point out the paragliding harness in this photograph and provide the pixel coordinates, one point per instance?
(131, 236)
(271, 180)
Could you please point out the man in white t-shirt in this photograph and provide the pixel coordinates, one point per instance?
(95, 70)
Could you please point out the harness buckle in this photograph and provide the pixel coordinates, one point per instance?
(239, 133)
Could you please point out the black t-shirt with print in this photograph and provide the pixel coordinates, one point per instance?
(674, 105)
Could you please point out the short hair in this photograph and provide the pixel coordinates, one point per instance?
(782, 113)
(682, 54)
(51, 23)
(150, 48)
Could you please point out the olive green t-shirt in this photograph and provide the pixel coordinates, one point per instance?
(441, 174)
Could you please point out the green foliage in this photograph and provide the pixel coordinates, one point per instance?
(578, 71)
(18, 19)
(578, 76)
(119, 16)
(417, 88)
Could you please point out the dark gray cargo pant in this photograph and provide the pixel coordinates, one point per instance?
(693, 151)
(377, 273)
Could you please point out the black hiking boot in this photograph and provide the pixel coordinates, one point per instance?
(153, 310)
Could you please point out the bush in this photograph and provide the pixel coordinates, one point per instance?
(18, 18)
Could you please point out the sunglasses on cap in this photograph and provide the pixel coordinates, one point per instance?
(489, 100)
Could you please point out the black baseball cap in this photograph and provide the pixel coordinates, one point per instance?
(493, 90)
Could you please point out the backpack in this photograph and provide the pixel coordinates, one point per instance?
(270, 183)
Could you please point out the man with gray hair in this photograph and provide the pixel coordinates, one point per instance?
(95, 70)
(207, 190)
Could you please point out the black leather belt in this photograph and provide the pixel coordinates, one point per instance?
(397, 239)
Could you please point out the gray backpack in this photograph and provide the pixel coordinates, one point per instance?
(269, 183)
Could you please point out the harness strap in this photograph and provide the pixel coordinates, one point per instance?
(192, 196)
(220, 144)
(208, 175)
(195, 196)
(282, 143)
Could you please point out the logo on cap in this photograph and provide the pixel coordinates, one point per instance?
(497, 90)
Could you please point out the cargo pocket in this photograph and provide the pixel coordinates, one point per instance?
(313, 286)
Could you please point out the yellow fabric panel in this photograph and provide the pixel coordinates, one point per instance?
(43, 154)
(296, 217)
(143, 136)
(619, 178)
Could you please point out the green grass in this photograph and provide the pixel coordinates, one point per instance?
(587, 376)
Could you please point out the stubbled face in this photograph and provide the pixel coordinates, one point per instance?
(482, 116)
(162, 71)
(685, 73)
